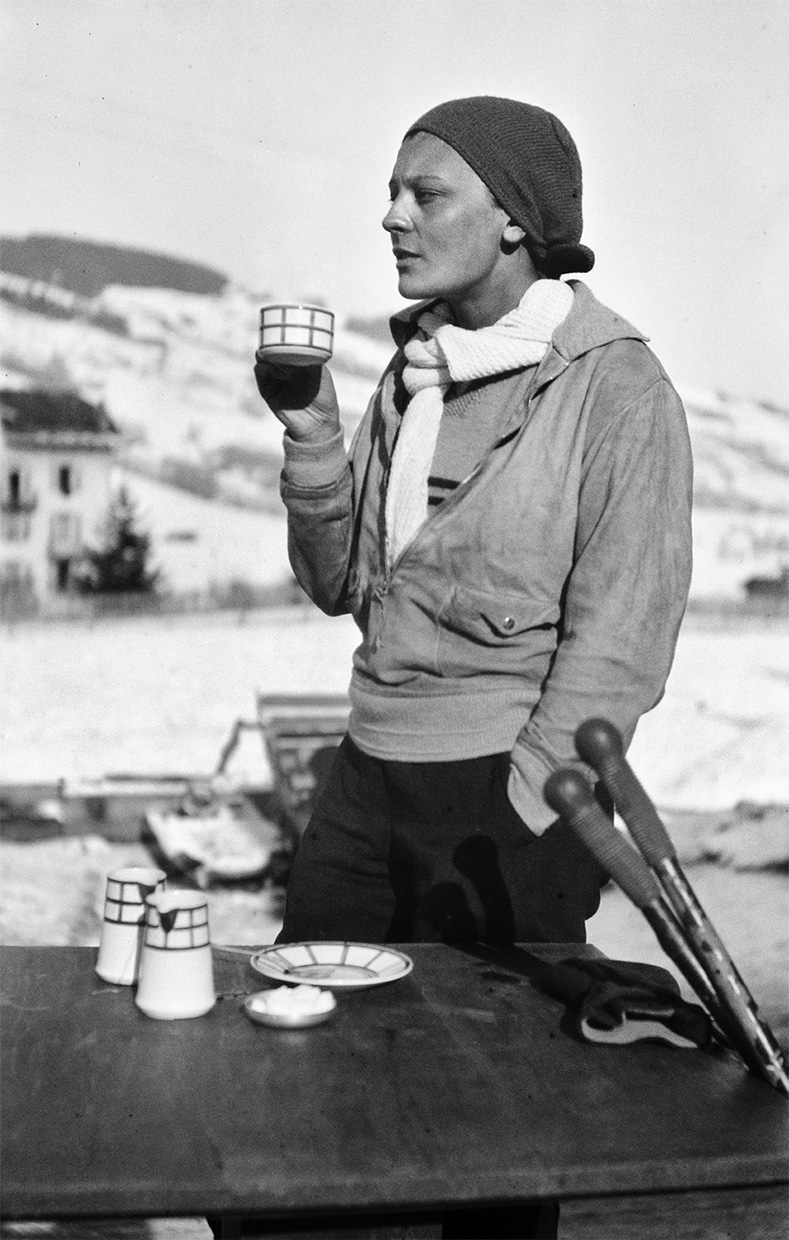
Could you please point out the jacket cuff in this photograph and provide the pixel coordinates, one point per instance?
(310, 465)
(529, 803)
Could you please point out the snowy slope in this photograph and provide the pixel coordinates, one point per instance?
(180, 387)
(741, 491)
(165, 691)
(200, 543)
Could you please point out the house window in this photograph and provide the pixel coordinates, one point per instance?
(17, 494)
(14, 573)
(66, 477)
(15, 526)
(64, 533)
(62, 573)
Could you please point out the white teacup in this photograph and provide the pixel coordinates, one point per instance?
(296, 335)
(176, 974)
(124, 916)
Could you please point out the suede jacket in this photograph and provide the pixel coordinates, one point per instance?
(548, 588)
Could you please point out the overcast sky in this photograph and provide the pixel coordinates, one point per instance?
(258, 136)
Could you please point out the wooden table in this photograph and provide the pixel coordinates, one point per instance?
(454, 1086)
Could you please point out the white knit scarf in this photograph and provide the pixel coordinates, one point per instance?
(442, 353)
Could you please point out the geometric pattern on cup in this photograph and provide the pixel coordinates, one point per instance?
(180, 929)
(310, 326)
(125, 899)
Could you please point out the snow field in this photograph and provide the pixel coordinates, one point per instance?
(161, 694)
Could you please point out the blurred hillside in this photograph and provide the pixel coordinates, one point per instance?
(88, 267)
(201, 455)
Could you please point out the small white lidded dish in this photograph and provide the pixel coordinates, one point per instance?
(289, 1007)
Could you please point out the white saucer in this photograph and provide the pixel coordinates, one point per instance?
(339, 966)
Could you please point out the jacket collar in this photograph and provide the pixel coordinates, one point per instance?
(403, 324)
(588, 325)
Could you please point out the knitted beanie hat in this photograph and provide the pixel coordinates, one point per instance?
(530, 164)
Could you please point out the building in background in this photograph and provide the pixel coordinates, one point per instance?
(56, 454)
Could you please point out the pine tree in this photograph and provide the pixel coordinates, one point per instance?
(121, 563)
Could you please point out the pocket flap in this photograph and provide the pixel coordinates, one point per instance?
(496, 615)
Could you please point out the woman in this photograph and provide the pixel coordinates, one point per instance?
(511, 531)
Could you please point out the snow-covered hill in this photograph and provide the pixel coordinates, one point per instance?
(741, 491)
(179, 384)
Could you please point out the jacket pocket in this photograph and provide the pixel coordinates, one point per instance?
(495, 618)
(493, 632)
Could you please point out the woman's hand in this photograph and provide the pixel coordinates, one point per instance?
(302, 398)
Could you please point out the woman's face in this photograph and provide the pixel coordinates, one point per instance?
(445, 226)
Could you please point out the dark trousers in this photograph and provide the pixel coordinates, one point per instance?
(404, 852)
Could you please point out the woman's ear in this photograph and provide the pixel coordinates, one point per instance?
(512, 237)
